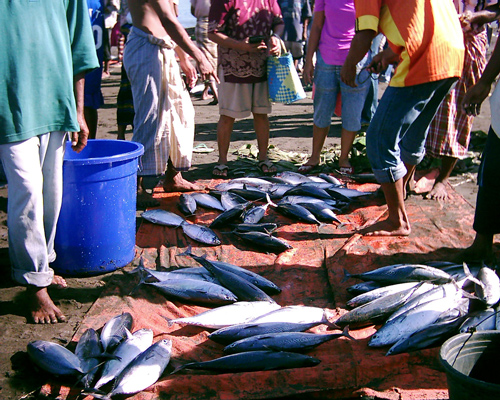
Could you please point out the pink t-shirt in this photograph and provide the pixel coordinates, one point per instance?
(338, 29)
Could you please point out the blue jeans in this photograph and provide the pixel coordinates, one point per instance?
(397, 133)
(327, 86)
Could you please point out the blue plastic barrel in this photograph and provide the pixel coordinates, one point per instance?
(96, 228)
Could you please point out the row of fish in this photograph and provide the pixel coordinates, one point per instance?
(309, 199)
(214, 283)
(420, 306)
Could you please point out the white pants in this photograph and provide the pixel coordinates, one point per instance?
(34, 174)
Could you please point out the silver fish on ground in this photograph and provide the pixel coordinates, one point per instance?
(297, 314)
(163, 217)
(187, 204)
(143, 371)
(364, 287)
(241, 287)
(321, 213)
(88, 350)
(255, 214)
(236, 332)
(54, 358)
(293, 178)
(264, 227)
(378, 292)
(431, 336)
(308, 199)
(481, 320)
(297, 212)
(201, 234)
(126, 351)
(404, 273)
(229, 216)
(207, 201)
(195, 291)
(330, 178)
(258, 280)
(230, 200)
(249, 193)
(415, 319)
(284, 341)
(198, 273)
(115, 330)
(264, 241)
(277, 190)
(488, 287)
(220, 317)
(308, 190)
(375, 311)
(254, 361)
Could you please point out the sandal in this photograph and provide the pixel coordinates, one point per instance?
(305, 169)
(267, 167)
(202, 148)
(346, 170)
(220, 171)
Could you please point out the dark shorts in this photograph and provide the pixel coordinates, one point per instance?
(487, 217)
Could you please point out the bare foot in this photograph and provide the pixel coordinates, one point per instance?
(178, 184)
(480, 250)
(439, 192)
(43, 310)
(387, 228)
(145, 199)
(59, 282)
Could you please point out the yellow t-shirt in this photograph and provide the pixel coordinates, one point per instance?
(425, 33)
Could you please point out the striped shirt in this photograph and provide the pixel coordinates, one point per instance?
(425, 33)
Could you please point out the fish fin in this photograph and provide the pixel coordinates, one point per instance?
(186, 252)
(169, 320)
(269, 201)
(96, 393)
(347, 275)
(346, 333)
(471, 277)
(177, 369)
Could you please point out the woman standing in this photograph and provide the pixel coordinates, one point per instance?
(331, 35)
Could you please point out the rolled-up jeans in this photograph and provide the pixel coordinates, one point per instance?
(34, 175)
(396, 135)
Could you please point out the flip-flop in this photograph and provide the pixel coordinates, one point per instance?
(202, 148)
(220, 171)
(267, 167)
(305, 169)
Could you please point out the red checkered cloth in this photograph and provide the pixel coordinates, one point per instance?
(449, 132)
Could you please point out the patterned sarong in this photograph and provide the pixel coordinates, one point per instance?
(208, 47)
(449, 132)
(164, 113)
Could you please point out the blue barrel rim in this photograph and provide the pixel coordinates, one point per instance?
(136, 152)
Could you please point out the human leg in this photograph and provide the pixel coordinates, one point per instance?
(439, 190)
(224, 130)
(318, 141)
(33, 209)
(174, 181)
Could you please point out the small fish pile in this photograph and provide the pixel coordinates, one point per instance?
(261, 336)
(420, 306)
(309, 199)
(125, 362)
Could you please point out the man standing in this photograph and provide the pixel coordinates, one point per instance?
(426, 42)
(164, 113)
(47, 47)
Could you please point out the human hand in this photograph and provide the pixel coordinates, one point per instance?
(250, 47)
(190, 71)
(275, 44)
(308, 72)
(473, 98)
(79, 139)
(206, 70)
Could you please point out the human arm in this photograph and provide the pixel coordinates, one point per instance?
(312, 46)
(473, 98)
(79, 139)
(360, 44)
(474, 21)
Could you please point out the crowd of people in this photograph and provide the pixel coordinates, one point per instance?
(437, 51)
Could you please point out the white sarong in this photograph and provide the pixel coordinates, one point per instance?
(164, 113)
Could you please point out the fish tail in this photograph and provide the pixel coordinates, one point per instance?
(332, 325)
(96, 393)
(269, 201)
(346, 333)
(177, 369)
(347, 275)
(186, 252)
(471, 277)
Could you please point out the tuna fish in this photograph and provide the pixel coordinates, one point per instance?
(115, 330)
(264, 241)
(230, 200)
(293, 178)
(220, 317)
(297, 314)
(195, 291)
(207, 201)
(320, 212)
(88, 350)
(264, 227)
(283, 341)
(187, 204)
(126, 351)
(254, 361)
(236, 332)
(255, 214)
(163, 217)
(308, 190)
(489, 288)
(54, 358)
(297, 212)
(200, 233)
(483, 320)
(229, 216)
(379, 292)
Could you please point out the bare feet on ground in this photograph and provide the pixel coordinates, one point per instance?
(178, 184)
(42, 308)
(439, 192)
(387, 228)
(145, 199)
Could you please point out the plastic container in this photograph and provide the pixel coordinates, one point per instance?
(470, 363)
(97, 226)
